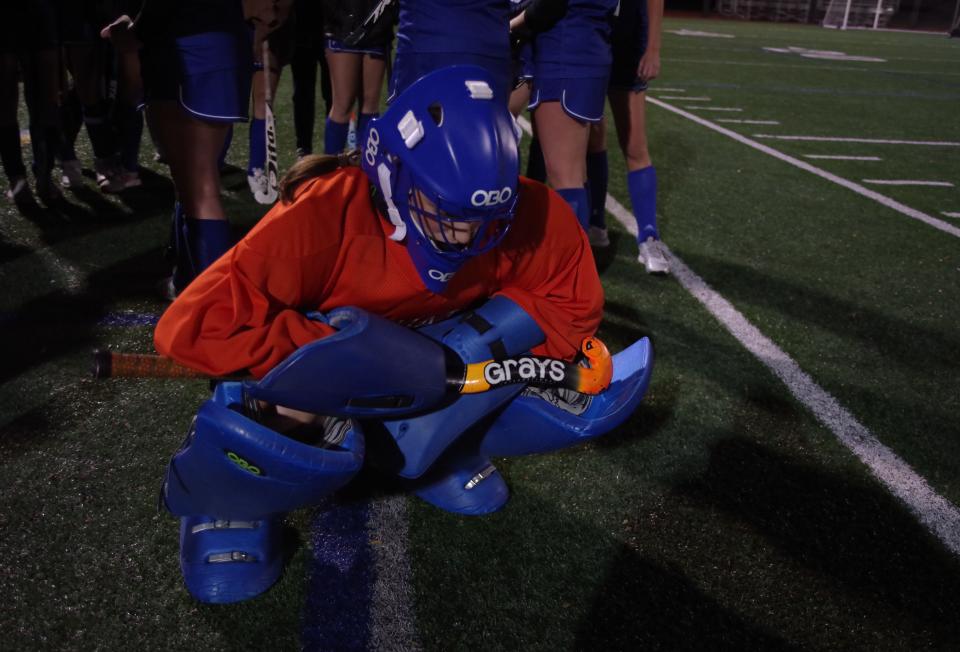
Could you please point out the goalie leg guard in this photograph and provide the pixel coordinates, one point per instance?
(498, 329)
(546, 420)
(232, 480)
(371, 367)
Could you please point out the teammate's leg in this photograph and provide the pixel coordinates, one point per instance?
(345, 71)
(629, 111)
(192, 147)
(597, 178)
(10, 153)
(374, 69)
(564, 146)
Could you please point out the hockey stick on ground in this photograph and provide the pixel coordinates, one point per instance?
(472, 378)
(364, 28)
(272, 170)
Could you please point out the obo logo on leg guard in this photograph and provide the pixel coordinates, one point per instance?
(521, 370)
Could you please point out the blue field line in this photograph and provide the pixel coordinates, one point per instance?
(340, 576)
(109, 320)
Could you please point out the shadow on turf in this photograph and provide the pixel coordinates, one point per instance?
(851, 532)
(644, 606)
(907, 343)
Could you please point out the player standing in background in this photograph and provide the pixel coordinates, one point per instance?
(356, 67)
(84, 58)
(29, 40)
(436, 222)
(437, 33)
(308, 53)
(636, 61)
(571, 69)
(196, 60)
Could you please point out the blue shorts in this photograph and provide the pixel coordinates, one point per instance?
(209, 74)
(582, 99)
(408, 67)
(375, 51)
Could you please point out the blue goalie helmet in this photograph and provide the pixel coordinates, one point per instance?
(444, 158)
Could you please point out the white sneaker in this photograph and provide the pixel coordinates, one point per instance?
(653, 257)
(72, 176)
(597, 235)
(18, 189)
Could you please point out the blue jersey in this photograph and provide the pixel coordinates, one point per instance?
(579, 44)
(630, 29)
(479, 27)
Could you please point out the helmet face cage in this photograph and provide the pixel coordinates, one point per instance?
(444, 157)
(455, 233)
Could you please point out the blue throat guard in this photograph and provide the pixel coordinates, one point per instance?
(444, 157)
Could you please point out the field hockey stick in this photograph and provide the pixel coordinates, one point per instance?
(272, 169)
(467, 378)
(364, 28)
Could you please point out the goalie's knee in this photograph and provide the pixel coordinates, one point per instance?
(231, 467)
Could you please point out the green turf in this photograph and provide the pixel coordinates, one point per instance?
(721, 516)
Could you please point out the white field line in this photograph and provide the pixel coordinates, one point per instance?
(937, 514)
(908, 182)
(670, 90)
(713, 108)
(392, 622)
(684, 97)
(748, 122)
(948, 214)
(813, 62)
(873, 141)
(841, 157)
(823, 174)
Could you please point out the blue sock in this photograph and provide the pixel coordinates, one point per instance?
(258, 145)
(335, 136)
(597, 176)
(362, 123)
(131, 131)
(206, 241)
(579, 200)
(536, 168)
(642, 185)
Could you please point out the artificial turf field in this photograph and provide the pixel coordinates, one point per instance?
(726, 514)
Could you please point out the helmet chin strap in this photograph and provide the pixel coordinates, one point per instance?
(383, 174)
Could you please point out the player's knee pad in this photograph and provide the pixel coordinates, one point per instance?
(371, 367)
(542, 420)
(231, 467)
(498, 329)
(463, 481)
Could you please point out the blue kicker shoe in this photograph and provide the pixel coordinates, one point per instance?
(230, 561)
(463, 482)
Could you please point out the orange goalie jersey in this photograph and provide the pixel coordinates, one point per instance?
(330, 248)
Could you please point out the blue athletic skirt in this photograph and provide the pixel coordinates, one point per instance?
(581, 98)
(209, 74)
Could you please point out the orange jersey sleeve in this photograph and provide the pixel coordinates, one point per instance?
(246, 310)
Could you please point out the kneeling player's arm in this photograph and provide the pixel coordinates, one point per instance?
(241, 314)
